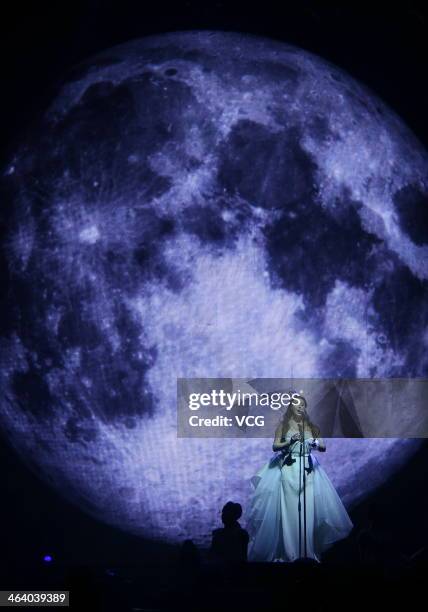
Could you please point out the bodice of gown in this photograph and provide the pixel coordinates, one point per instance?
(295, 449)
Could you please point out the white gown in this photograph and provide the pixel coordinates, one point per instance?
(272, 515)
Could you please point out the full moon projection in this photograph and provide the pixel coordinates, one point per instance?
(203, 204)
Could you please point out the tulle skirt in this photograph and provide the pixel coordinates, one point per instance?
(272, 515)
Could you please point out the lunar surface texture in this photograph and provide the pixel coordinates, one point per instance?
(203, 204)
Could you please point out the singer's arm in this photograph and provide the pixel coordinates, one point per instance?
(277, 444)
(321, 445)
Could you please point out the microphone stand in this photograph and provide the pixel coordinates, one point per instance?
(302, 460)
(299, 506)
(304, 487)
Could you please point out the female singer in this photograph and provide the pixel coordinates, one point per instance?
(294, 510)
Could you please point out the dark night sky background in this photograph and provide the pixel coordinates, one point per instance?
(41, 41)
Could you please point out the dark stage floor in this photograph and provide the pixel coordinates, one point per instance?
(252, 586)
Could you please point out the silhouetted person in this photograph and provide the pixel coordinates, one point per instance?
(184, 583)
(189, 555)
(230, 543)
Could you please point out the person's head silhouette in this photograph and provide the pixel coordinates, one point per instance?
(231, 513)
(189, 554)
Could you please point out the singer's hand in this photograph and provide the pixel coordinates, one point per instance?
(295, 437)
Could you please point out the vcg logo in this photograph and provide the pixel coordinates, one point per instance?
(250, 421)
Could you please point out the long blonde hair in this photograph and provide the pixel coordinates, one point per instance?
(283, 425)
